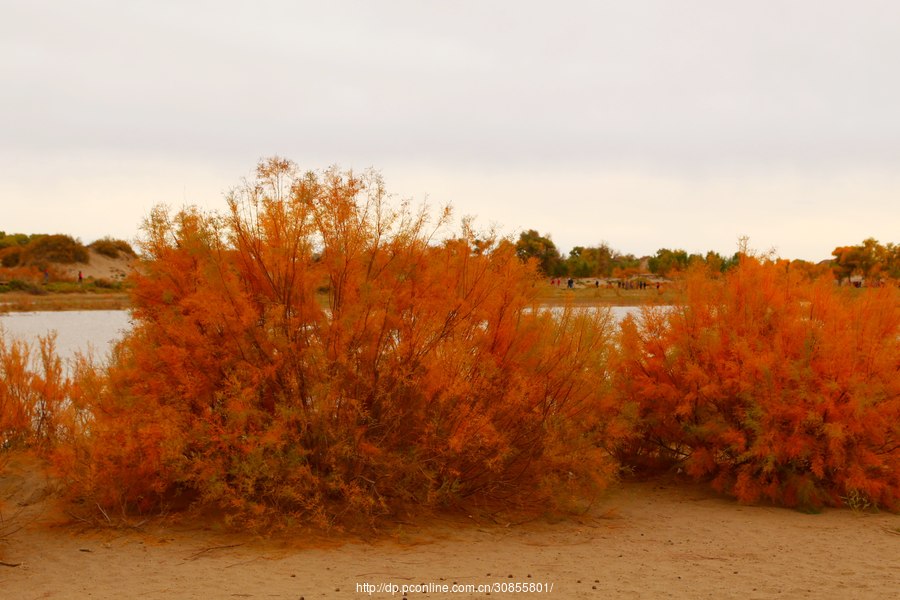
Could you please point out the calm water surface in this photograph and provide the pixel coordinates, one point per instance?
(80, 331)
(76, 330)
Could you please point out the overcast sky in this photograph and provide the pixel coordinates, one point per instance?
(641, 123)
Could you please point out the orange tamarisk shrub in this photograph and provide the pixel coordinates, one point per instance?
(33, 393)
(317, 354)
(773, 387)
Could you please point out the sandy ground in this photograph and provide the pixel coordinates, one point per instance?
(98, 266)
(644, 540)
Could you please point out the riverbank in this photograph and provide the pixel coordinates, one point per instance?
(55, 301)
(587, 294)
(99, 283)
(547, 295)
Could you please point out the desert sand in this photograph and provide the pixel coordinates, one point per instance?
(99, 266)
(649, 539)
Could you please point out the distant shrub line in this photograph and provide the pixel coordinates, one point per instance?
(112, 248)
(39, 250)
(27, 260)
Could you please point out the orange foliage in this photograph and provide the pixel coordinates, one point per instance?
(33, 393)
(315, 353)
(773, 387)
(30, 274)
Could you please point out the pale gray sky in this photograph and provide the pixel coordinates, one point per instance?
(645, 123)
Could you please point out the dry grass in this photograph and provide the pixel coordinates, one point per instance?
(24, 302)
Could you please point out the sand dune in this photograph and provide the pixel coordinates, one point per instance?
(99, 266)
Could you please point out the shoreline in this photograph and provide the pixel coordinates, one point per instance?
(11, 302)
(77, 300)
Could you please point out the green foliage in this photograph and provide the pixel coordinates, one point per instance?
(598, 261)
(106, 284)
(716, 263)
(54, 248)
(39, 250)
(666, 262)
(532, 245)
(13, 239)
(18, 285)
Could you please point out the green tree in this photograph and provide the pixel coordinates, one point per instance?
(593, 261)
(716, 263)
(624, 262)
(532, 244)
(668, 261)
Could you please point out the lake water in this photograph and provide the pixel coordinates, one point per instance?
(79, 331)
(76, 330)
(618, 312)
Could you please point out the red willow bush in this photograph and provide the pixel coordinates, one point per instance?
(315, 353)
(33, 394)
(772, 387)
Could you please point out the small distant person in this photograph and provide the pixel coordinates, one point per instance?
(46, 276)
(80, 278)
(571, 283)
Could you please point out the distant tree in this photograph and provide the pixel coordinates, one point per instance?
(668, 261)
(716, 263)
(578, 264)
(811, 271)
(892, 261)
(594, 261)
(532, 244)
(623, 262)
(867, 260)
(627, 272)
